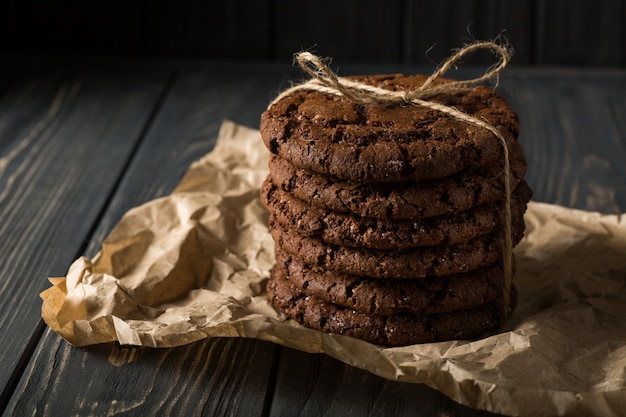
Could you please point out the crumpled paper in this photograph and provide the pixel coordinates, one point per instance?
(194, 264)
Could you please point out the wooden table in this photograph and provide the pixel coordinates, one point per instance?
(83, 141)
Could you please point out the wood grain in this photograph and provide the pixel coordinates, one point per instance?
(554, 32)
(183, 130)
(186, 127)
(232, 29)
(579, 33)
(314, 385)
(349, 30)
(573, 131)
(64, 142)
(435, 29)
(217, 377)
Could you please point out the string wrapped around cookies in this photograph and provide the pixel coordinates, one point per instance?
(383, 141)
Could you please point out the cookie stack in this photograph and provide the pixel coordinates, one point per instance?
(389, 219)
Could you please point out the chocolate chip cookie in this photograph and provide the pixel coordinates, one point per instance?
(398, 200)
(393, 296)
(415, 262)
(330, 135)
(391, 330)
(357, 231)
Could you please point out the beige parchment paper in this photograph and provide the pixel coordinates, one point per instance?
(193, 265)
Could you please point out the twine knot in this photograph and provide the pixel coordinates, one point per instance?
(324, 80)
(322, 75)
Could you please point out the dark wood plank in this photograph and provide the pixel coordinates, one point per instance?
(9, 71)
(306, 384)
(217, 377)
(435, 29)
(217, 29)
(314, 385)
(64, 141)
(555, 32)
(224, 29)
(66, 27)
(580, 33)
(184, 130)
(573, 132)
(347, 31)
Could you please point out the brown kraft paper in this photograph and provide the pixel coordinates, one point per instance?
(194, 264)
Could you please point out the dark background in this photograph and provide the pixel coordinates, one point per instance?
(542, 32)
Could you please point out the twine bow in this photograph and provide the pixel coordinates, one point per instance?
(327, 81)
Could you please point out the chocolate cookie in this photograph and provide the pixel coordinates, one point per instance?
(397, 200)
(416, 262)
(389, 330)
(330, 135)
(357, 231)
(392, 296)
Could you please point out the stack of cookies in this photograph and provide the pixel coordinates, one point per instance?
(389, 219)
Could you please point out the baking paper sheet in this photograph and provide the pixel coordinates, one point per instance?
(193, 265)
